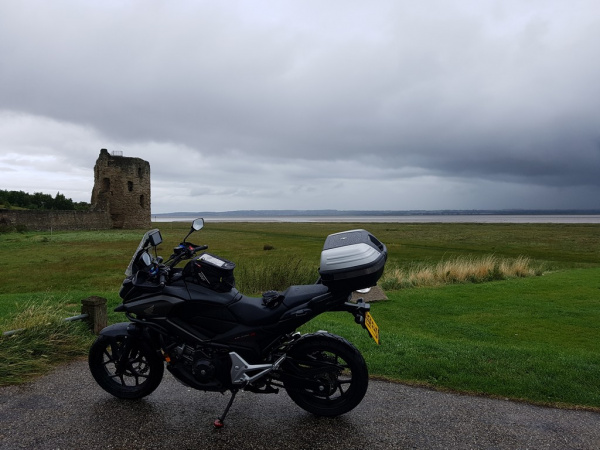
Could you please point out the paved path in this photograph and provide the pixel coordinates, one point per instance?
(67, 410)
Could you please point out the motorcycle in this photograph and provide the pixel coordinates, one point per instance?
(211, 337)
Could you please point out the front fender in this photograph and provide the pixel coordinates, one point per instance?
(135, 331)
(120, 329)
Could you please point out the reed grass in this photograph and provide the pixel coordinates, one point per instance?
(43, 340)
(460, 269)
(255, 277)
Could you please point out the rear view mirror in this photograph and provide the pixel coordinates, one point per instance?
(198, 224)
(146, 259)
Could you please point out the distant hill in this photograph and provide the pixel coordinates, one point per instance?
(361, 213)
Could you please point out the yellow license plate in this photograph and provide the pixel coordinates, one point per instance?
(372, 327)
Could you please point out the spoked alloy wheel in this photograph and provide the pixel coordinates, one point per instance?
(125, 368)
(325, 375)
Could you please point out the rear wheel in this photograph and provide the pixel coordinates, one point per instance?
(124, 367)
(325, 375)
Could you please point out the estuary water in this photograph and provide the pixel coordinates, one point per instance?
(424, 218)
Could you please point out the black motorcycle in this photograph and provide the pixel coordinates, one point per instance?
(213, 338)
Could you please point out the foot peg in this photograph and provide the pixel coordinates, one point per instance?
(241, 370)
(240, 377)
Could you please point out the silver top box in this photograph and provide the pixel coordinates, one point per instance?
(352, 260)
(348, 249)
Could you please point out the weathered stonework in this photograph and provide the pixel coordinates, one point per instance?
(120, 199)
(122, 190)
(39, 220)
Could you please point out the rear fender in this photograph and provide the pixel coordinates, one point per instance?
(358, 310)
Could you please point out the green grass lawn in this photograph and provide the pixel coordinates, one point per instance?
(534, 338)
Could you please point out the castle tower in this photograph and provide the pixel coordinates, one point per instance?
(122, 190)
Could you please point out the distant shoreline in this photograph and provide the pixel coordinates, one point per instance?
(381, 213)
(582, 218)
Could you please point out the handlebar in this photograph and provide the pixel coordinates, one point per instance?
(162, 280)
(154, 272)
(185, 250)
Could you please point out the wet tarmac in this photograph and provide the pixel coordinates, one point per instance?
(67, 410)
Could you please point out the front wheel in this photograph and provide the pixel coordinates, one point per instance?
(124, 367)
(325, 375)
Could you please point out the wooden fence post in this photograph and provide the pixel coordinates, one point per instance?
(95, 308)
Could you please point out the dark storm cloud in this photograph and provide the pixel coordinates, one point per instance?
(495, 91)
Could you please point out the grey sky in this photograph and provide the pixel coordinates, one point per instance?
(307, 104)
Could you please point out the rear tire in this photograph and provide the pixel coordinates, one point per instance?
(325, 375)
(138, 375)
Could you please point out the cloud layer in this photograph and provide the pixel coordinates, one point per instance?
(343, 105)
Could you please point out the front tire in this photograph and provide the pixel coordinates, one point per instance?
(325, 375)
(124, 367)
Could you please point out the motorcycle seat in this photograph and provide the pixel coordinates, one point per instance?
(251, 310)
(296, 295)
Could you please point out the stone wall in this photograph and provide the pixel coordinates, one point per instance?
(120, 199)
(42, 220)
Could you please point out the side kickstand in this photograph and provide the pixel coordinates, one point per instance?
(219, 423)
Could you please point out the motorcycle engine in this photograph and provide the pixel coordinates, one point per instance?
(204, 365)
(203, 370)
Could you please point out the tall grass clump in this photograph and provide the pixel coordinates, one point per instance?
(44, 341)
(257, 276)
(462, 269)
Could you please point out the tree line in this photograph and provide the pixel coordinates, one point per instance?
(39, 200)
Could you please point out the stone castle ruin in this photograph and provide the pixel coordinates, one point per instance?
(122, 190)
(120, 199)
